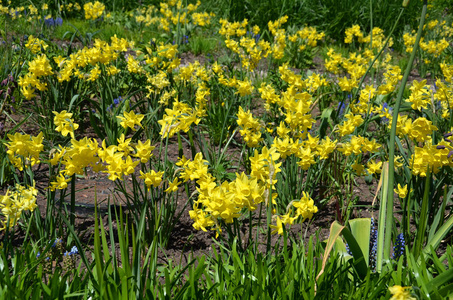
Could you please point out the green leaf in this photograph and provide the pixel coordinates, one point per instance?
(361, 229)
(72, 102)
(445, 277)
(359, 259)
(335, 231)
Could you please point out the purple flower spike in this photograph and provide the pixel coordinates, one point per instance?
(450, 154)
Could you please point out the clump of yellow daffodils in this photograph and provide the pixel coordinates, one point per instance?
(24, 149)
(13, 203)
(93, 10)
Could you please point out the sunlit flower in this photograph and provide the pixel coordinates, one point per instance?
(400, 293)
(130, 119)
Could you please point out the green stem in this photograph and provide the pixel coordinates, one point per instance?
(73, 201)
(423, 221)
(180, 150)
(391, 171)
(192, 145)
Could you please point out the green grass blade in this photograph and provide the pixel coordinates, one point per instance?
(382, 224)
(438, 237)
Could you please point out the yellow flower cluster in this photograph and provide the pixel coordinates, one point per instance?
(420, 96)
(202, 19)
(94, 10)
(391, 78)
(435, 48)
(35, 45)
(250, 128)
(419, 129)
(178, 118)
(235, 29)
(76, 65)
(358, 145)
(250, 48)
(130, 119)
(39, 67)
(351, 123)
(171, 13)
(279, 34)
(430, 158)
(305, 208)
(116, 160)
(64, 122)
(13, 203)
(23, 150)
(434, 42)
(400, 293)
(223, 201)
(308, 36)
(70, 7)
(377, 37)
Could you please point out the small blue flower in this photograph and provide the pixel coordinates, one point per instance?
(348, 250)
(49, 22)
(74, 250)
(56, 242)
(341, 107)
(257, 37)
(117, 100)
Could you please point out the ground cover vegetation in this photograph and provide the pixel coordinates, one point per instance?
(251, 120)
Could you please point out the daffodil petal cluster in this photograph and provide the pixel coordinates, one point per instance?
(250, 127)
(64, 123)
(13, 203)
(35, 45)
(24, 149)
(94, 10)
(305, 208)
(80, 155)
(130, 119)
(179, 118)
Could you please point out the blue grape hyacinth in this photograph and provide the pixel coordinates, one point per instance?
(398, 248)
